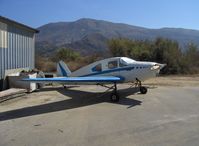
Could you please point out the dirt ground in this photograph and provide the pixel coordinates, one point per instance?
(174, 80)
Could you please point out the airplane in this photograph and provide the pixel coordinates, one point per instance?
(108, 71)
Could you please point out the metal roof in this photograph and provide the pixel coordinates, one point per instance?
(18, 24)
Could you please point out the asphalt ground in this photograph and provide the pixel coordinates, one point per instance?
(83, 115)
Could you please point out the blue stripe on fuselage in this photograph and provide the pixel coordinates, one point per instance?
(110, 71)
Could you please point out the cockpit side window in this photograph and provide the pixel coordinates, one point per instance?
(122, 64)
(112, 64)
(97, 68)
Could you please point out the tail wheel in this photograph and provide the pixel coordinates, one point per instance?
(114, 97)
(143, 90)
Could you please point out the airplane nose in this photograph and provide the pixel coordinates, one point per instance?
(158, 66)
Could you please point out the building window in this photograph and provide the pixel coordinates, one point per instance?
(112, 64)
(97, 68)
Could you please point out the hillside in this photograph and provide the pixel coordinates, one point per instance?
(89, 36)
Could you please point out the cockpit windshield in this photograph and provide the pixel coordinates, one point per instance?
(125, 61)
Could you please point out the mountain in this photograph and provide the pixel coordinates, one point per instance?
(89, 36)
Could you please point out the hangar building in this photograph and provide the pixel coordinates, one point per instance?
(17, 47)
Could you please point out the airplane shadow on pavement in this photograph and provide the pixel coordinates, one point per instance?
(78, 99)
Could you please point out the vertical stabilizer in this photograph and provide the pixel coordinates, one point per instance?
(62, 69)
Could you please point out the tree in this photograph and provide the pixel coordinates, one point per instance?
(67, 55)
(168, 51)
(160, 50)
(117, 47)
(191, 56)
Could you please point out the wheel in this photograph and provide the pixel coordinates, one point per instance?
(114, 97)
(143, 90)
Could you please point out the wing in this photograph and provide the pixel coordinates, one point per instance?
(94, 79)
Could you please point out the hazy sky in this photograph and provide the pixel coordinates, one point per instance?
(146, 13)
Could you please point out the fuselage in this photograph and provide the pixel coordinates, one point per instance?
(123, 67)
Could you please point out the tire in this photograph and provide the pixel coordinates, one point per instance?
(143, 90)
(114, 97)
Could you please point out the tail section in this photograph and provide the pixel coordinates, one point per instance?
(62, 69)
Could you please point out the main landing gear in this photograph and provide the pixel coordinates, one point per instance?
(114, 95)
(143, 90)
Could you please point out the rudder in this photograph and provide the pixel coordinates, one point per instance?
(62, 69)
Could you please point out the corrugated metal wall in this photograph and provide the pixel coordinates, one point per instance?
(16, 48)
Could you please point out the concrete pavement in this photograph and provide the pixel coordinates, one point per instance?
(80, 115)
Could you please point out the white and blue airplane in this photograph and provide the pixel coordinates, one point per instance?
(108, 71)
